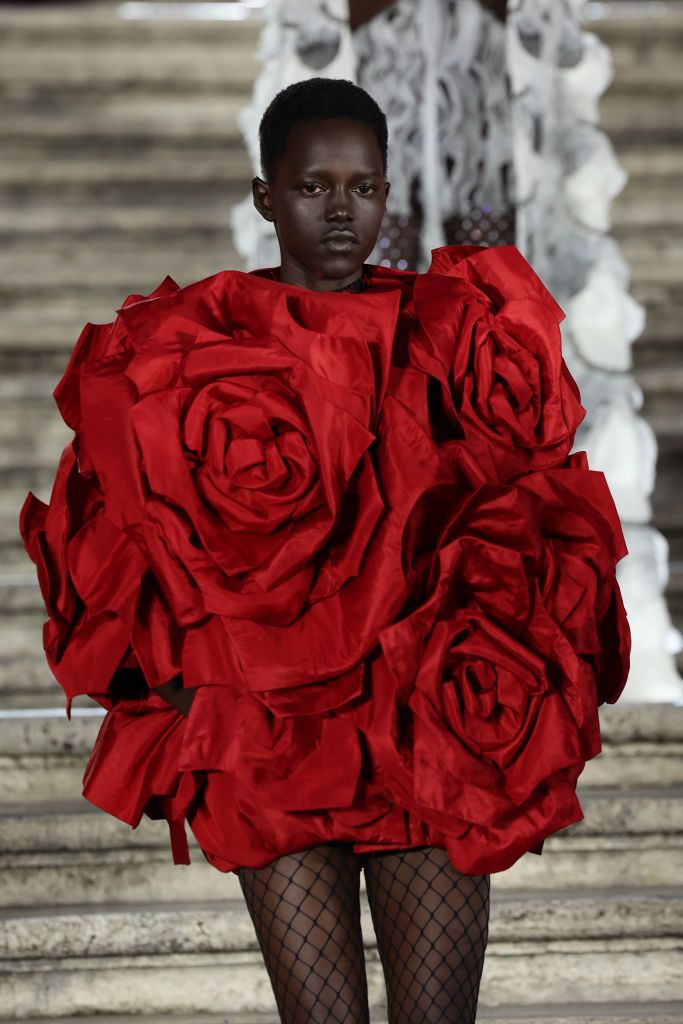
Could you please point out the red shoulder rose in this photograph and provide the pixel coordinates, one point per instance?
(486, 330)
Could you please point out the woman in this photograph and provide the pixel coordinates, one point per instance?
(320, 549)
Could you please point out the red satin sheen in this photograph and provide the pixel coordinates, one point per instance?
(353, 523)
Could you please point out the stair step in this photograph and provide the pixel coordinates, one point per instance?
(653, 260)
(167, 165)
(66, 851)
(109, 267)
(660, 75)
(162, 117)
(101, 24)
(227, 189)
(45, 71)
(204, 956)
(594, 1013)
(654, 33)
(639, 205)
(195, 213)
(626, 113)
(652, 163)
(44, 755)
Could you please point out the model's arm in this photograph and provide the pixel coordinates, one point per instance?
(361, 11)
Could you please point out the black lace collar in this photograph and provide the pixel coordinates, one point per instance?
(359, 285)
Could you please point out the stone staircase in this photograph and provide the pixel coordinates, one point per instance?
(121, 160)
(642, 113)
(97, 919)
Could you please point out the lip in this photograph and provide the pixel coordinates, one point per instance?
(341, 242)
(339, 234)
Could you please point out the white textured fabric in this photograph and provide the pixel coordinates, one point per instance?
(567, 175)
(448, 108)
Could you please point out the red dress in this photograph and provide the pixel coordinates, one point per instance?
(352, 522)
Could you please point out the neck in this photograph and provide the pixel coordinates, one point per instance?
(291, 273)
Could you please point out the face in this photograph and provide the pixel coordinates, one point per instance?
(327, 201)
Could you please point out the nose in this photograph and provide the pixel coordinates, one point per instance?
(338, 206)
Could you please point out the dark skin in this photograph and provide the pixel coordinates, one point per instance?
(330, 178)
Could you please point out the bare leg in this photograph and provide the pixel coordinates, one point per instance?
(431, 923)
(306, 911)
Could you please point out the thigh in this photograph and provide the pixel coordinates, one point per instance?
(431, 923)
(306, 911)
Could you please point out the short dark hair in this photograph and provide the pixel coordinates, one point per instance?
(314, 98)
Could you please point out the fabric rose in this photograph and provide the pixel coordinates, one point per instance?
(243, 439)
(487, 331)
(484, 701)
(100, 598)
(90, 577)
(582, 543)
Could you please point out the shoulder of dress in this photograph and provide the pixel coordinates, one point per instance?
(501, 272)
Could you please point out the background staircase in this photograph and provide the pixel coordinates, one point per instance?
(121, 161)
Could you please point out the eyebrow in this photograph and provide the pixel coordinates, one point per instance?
(321, 172)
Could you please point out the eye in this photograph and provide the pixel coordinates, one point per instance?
(314, 184)
(366, 184)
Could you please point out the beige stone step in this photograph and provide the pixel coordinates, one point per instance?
(652, 163)
(101, 24)
(654, 259)
(133, 194)
(663, 412)
(43, 755)
(660, 75)
(71, 852)
(195, 212)
(116, 265)
(202, 957)
(594, 1013)
(164, 166)
(23, 669)
(665, 379)
(43, 758)
(41, 68)
(625, 113)
(211, 116)
(650, 34)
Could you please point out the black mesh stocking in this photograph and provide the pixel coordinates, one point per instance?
(431, 923)
(306, 911)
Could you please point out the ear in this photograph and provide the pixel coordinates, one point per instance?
(387, 186)
(260, 191)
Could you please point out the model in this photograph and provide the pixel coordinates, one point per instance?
(321, 549)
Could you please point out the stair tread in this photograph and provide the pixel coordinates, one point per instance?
(588, 1013)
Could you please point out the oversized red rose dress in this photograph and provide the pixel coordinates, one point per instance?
(352, 521)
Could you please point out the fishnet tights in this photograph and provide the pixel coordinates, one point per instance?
(430, 920)
(431, 924)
